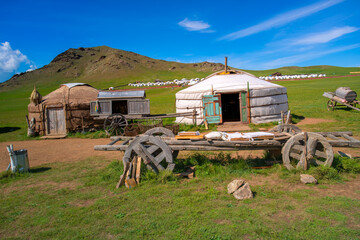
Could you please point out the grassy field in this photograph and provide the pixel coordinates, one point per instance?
(79, 201)
(305, 100)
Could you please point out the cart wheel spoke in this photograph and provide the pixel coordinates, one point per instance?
(317, 151)
(155, 153)
(115, 124)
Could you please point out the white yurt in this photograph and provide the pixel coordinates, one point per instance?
(231, 100)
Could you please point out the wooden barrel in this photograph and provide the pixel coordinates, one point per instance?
(346, 93)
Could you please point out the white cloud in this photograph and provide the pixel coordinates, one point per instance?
(10, 59)
(195, 25)
(282, 19)
(286, 61)
(324, 37)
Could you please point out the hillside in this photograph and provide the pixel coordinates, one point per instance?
(328, 70)
(104, 66)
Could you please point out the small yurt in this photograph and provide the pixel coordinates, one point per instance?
(63, 110)
(232, 96)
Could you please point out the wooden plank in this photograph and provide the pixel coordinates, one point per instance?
(345, 144)
(333, 137)
(201, 136)
(349, 138)
(336, 134)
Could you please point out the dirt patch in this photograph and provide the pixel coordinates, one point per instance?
(83, 203)
(223, 221)
(309, 121)
(57, 150)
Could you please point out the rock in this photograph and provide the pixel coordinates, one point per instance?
(244, 192)
(306, 178)
(234, 185)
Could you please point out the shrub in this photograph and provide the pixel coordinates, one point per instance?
(344, 164)
(324, 173)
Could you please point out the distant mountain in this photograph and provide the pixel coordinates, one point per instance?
(105, 66)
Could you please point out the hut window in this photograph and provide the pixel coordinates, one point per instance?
(119, 107)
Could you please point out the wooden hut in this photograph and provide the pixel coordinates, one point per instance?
(63, 110)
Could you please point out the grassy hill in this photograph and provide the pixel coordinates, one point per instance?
(104, 67)
(328, 70)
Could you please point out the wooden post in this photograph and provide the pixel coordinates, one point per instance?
(194, 116)
(225, 64)
(248, 103)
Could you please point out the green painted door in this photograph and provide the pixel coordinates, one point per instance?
(243, 107)
(212, 108)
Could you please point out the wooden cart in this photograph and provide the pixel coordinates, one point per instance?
(115, 108)
(158, 147)
(336, 101)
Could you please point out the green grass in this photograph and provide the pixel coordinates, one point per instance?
(79, 200)
(305, 100)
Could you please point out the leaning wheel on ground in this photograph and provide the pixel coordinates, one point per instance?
(155, 153)
(161, 131)
(287, 128)
(305, 149)
(331, 104)
(115, 125)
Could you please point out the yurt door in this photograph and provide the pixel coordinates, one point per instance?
(243, 107)
(55, 121)
(212, 108)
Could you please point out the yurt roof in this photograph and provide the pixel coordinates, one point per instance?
(73, 94)
(227, 83)
(71, 85)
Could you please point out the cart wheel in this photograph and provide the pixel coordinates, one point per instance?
(287, 128)
(155, 153)
(115, 125)
(318, 151)
(331, 104)
(161, 131)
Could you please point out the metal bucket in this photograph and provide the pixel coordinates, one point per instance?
(22, 160)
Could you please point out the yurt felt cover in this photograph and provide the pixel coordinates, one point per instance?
(267, 100)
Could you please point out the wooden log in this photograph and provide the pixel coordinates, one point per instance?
(123, 176)
(336, 134)
(332, 137)
(211, 148)
(138, 170)
(349, 138)
(345, 144)
(263, 143)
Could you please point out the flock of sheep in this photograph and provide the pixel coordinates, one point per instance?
(178, 82)
(298, 76)
(193, 81)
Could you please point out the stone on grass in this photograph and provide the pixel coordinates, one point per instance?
(306, 178)
(244, 192)
(234, 185)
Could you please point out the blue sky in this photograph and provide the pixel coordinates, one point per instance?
(253, 34)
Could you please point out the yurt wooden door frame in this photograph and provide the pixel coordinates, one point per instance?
(213, 107)
(55, 121)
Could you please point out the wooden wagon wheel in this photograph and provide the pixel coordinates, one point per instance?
(161, 131)
(287, 128)
(331, 104)
(155, 153)
(115, 125)
(307, 148)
